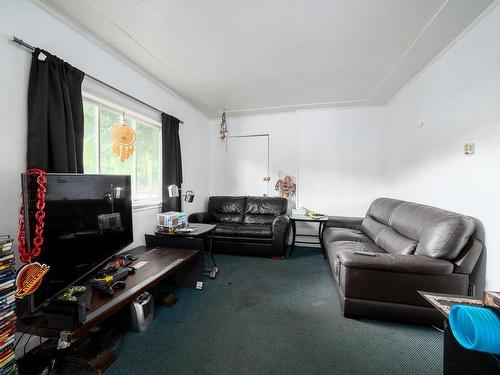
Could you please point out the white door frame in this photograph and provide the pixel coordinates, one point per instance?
(252, 136)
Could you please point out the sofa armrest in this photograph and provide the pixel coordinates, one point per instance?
(395, 263)
(345, 222)
(281, 230)
(200, 217)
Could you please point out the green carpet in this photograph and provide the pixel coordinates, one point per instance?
(264, 316)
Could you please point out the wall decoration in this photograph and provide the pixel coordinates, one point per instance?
(223, 127)
(123, 137)
(285, 185)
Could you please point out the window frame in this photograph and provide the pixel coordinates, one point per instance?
(137, 204)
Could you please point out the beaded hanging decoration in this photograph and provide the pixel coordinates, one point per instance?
(223, 127)
(123, 137)
(31, 274)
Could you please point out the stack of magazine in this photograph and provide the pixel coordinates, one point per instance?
(7, 307)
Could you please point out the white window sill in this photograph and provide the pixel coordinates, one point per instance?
(143, 206)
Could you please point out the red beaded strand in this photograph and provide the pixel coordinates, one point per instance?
(25, 255)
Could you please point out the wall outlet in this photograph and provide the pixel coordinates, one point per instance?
(469, 148)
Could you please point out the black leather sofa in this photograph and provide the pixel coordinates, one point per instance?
(247, 225)
(414, 247)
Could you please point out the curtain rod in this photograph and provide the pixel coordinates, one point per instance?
(22, 43)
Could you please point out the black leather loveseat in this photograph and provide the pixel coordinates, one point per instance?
(413, 248)
(247, 225)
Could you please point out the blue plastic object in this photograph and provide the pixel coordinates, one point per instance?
(476, 328)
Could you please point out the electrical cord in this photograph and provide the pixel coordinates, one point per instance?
(26, 344)
(20, 338)
(37, 333)
(35, 327)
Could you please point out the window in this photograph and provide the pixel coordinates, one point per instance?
(144, 165)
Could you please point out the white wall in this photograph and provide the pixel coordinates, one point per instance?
(334, 153)
(282, 130)
(458, 100)
(31, 23)
(347, 157)
(343, 157)
(339, 160)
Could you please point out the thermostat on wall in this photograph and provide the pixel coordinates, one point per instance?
(469, 149)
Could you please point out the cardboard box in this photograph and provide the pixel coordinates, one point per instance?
(492, 299)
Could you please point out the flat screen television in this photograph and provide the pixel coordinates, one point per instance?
(88, 220)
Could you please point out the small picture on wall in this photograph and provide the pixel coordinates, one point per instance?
(286, 187)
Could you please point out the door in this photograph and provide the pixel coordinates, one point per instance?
(247, 165)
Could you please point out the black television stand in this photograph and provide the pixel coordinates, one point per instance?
(183, 266)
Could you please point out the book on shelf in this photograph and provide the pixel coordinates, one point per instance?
(7, 306)
(6, 238)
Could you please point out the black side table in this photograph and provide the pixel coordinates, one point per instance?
(202, 231)
(458, 360)
(321, 227)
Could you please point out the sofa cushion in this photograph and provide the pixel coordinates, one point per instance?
(387, 238)
(226, 229)
(372, 228)
(343, 234)
(227, 209)
(254, 230)
(440, 234)
(394, 243)
(244, 230)
(381, 209)
(395, 263)
(333, 247)
(263, 210)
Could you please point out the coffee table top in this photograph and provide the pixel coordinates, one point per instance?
(200, 230)
(307, 218)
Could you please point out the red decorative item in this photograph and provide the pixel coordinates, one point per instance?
(25, 255)
(285, 187)
(29, 278)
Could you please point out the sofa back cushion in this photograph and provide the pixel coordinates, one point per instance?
(263, 210)
(381, 209)
(227, 209)
(401, 227)
(387, 238)
(440, 234)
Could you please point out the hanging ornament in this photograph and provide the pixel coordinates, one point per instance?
(123, 137)
(223, 127)
(31, 274)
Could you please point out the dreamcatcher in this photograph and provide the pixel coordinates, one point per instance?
(223, 127)
(123, 137)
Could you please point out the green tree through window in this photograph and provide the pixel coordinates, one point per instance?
(144, 165)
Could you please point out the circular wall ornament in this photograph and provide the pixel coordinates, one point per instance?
(123, 137)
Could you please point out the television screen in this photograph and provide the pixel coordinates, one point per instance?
(88, 220)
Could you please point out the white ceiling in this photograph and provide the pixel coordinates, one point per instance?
(258, 56)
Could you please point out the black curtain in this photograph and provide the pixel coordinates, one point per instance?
(172, 163)
(55, 115)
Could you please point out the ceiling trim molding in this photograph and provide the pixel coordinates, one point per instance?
(405, 53)
(302, 110)
(303, 107)
(111, 50)
(379, 96)
(443, 52)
